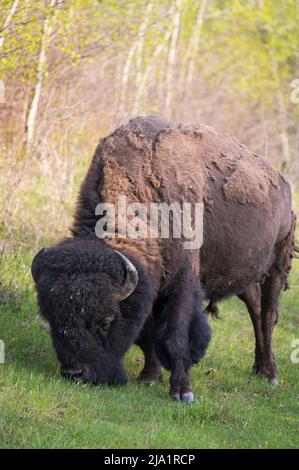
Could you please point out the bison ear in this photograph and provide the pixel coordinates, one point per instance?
(131, 280)
(36, 265)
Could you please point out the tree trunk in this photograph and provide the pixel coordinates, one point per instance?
(195, 41)
(282, 117)
(137, 46)
(41, 70)
(141, 83)
(284, 137)
(189, 58)
(172, 57)
(8, 21)
(139, 54)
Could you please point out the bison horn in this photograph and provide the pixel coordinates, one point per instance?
(131, 280)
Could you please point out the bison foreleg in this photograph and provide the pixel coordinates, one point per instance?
(151, 372)
(183, 335)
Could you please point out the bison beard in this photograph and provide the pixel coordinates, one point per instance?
(248, 246)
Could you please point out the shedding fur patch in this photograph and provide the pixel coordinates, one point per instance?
(250, 181)
(163, 162)
(114, 181)
(177, 160)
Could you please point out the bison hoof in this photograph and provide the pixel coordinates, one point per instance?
(176, 397)
(268, 372)
(150, 382)
(274, 381)
(186, 398)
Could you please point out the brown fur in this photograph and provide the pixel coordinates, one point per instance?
(154, 160)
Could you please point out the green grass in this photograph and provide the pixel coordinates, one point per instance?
(232, 410)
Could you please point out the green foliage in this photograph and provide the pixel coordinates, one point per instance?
(250, 38)
(259, 43)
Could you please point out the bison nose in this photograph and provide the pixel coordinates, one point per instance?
(80, 374)
(74, 374)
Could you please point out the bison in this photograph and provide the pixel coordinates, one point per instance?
(101, 295)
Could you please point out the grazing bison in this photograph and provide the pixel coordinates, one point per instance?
(102, 295)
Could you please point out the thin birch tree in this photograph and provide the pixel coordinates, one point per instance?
(136, 46)
(41, 71)
(172, 54)
(8, 21)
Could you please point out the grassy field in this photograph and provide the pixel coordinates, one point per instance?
(232, 410)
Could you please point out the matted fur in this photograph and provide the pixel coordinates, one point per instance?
(154, 160)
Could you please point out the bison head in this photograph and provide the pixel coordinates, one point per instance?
(95, 301)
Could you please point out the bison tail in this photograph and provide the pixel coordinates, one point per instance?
(295, 246)
(286, 252)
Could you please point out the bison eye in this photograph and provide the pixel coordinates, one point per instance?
(104, 325)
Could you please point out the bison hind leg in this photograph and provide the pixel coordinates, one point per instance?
(271, 290)
(212, 308)
(151, 372)
(161, 348)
